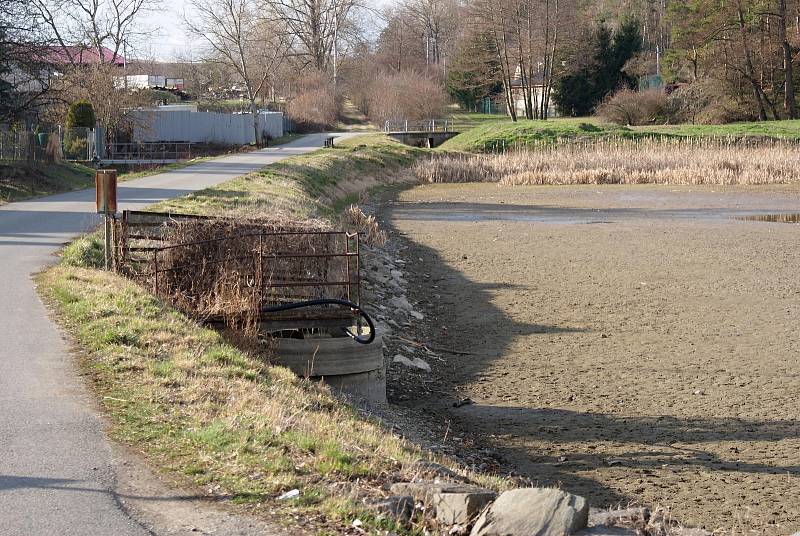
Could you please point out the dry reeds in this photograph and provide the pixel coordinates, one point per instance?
(621, 161)
(228, 269)
(365, 225)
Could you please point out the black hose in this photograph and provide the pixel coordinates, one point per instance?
(329, 301)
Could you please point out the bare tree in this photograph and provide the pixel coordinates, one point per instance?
(103, 26)
(319, 26)
(239, 37)
(24, 82)
(436, 22)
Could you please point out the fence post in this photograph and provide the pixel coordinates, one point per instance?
(155, 272)
(260, 269)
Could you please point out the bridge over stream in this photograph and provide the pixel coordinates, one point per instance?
(429, 133)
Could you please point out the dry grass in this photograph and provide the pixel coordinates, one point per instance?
(317, 184)
(230, 423)
(366, 226)
(648, 161)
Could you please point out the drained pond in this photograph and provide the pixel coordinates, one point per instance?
(652, 358)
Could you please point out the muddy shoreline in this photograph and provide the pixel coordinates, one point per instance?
(630, 344)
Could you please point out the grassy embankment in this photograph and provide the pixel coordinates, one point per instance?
(493, 135)
(213, 415)
(19, 182)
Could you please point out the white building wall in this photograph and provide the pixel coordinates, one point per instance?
(203, 127)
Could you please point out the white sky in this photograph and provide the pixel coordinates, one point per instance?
(170, 41)
(170, 38)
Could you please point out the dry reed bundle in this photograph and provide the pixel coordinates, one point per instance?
(228, 269)
(366, 225)
(616, 161)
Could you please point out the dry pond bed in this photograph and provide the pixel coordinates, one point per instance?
(631, 343)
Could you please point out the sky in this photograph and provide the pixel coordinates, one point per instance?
(170, 41)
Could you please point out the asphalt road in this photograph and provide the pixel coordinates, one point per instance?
(56, 469)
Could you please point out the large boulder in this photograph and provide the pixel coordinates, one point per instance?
(533, 512)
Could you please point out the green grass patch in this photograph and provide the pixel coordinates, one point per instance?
(87, 250)
(787, 129)
(493, 135)
(499, 134)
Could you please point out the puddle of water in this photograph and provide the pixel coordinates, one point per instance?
(773, 218)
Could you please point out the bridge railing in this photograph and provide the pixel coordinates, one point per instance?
(428, 125)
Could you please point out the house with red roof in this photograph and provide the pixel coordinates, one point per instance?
(81, 55)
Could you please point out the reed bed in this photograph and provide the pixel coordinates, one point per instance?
(672, 161)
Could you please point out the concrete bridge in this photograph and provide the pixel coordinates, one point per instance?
(430, 133)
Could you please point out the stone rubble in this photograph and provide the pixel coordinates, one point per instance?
(460, 507)
(398, 507)
(415, 362)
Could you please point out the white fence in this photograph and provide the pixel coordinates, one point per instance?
(203, 127)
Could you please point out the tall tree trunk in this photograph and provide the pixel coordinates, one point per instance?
(509, 71)
(789, 104)
(254, 112)
(542, 101)
(748, 63)
(547, 86)
(502, 56)
(522, 65)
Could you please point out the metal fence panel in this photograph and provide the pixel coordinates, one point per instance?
(203, 127)
(24, 146)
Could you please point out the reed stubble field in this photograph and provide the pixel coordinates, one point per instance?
(721, 161)
(631, 343)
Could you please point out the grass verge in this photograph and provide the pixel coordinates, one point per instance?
(230, 424)
(219, 418)
(496, 135)
(20, 181)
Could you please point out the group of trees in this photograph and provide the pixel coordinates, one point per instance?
(732, 59)
(739, 54)
(598, 68)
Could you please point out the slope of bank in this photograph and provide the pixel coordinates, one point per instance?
(502, 135)
(20, 181)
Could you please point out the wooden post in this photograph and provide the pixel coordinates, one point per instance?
(107, 248)
(106, 203)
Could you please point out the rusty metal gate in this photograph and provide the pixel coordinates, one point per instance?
(267, 264)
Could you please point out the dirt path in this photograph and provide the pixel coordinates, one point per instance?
(633, 343)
